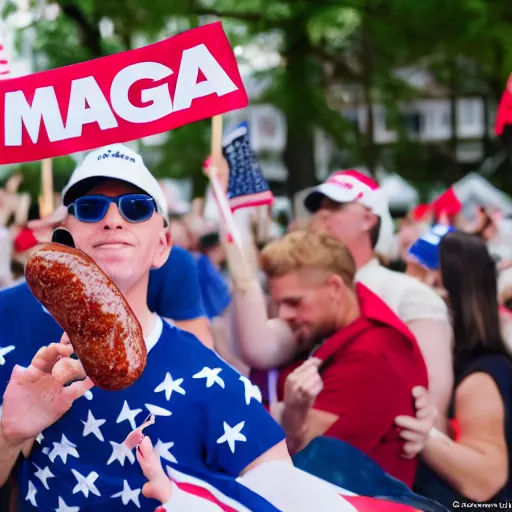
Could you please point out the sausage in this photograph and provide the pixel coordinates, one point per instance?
(83, 300)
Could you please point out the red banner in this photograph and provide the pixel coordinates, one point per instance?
(122, 97)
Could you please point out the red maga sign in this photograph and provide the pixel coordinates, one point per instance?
(122, 97)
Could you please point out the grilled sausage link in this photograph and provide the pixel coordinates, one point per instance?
(101, 326)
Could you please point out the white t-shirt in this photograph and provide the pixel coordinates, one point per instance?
(409, 298)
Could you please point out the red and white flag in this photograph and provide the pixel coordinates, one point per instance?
(219, 496)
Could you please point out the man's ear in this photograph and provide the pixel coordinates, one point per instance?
(164, 248)
(335, 285)
(369, 220)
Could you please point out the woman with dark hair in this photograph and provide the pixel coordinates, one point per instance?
(474, 462)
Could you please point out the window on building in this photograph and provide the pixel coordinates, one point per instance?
(413, 122)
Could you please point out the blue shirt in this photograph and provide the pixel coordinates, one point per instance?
(208, 418)
(215, 292)
(174, 291)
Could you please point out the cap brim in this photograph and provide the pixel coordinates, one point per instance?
(82, 187)
(313, 200)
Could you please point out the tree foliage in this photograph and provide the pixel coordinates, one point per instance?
(355, 47)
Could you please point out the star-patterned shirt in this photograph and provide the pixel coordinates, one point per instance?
(208, 418)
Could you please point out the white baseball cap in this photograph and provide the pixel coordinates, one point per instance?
(114, 162)
(352, 186)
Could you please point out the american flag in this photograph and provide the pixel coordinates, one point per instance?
(247, 186)
(221, 495)
(4, 63)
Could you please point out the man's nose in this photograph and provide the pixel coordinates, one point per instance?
(113, 218)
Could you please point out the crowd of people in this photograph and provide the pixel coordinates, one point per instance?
(350, 342)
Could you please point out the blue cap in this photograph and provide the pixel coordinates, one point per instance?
(426, 248)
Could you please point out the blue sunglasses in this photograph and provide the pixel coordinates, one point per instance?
(132, 207)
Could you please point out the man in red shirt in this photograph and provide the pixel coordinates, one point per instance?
(356, 362)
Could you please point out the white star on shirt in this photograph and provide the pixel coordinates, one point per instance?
(128, 495)
(211, 375)
(163, 450)
(158, 411)
(31, 494)
(40, 438)
(120, 452)
(43, 475)
(92, 426)
(231, 435)
(4, 351)
(65, 508)
(169, 385)
(128, 414)
(88, 394)
(63, 449)
(251, 391)
(86, 483)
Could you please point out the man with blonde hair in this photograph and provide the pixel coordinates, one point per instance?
(354, 363)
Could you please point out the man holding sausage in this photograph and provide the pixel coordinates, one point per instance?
(207, 417)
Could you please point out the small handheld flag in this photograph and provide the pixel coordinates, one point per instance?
(247, 187)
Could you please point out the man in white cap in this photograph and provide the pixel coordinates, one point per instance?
(174, 290)
(353, 209)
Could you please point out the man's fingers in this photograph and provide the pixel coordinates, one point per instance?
(313, 382)
(65, 339)
(418, 391)
(429, 412)
(411, 435)
(67, 369)
(410, 423)
(44, 361)
(149, 460)
(78, 389)
(421, 402)
(134, 438)
(410, 450)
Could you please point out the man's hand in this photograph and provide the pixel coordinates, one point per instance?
(303, 385)
(52, 221)
(158, 487)
(36, 398)
(416, 430)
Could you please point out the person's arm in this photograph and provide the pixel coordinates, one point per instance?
(426, 316)
(434, 339)
(9, 453)
(261, 343)
(476, 465)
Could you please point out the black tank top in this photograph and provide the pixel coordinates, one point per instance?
(428, 483)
